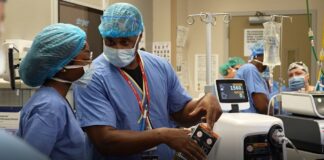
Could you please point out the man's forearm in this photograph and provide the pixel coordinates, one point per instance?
(262, 109)
(119, 142)
(260, 102)
(183, 118)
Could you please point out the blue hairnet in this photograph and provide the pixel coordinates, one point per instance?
(53, 48)
(257, 49)
(121, 20)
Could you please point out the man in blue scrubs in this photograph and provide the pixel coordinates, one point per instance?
(129, 108)
(258, 88)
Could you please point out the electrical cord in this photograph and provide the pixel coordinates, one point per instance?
(269, 104)
(311, 38)
(295, 148)
(279, 137)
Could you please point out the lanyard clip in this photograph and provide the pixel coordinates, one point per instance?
(145, 114)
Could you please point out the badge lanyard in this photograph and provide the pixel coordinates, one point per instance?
(144, 119)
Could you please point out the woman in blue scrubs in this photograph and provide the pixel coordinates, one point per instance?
(58, 56)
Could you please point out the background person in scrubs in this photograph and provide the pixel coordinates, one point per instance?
(228, 69)
(129, 108)
(55, 60)
(258, 88)
(298, 79)
(298, 75)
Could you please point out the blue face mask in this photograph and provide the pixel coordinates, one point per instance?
(296, 83)
(120, 57)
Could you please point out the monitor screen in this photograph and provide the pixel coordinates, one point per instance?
(87, 19)
(231, 91)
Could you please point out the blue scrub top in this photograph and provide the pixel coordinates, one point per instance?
(13, 148)
(275, 91)
(254, 83)
(48, 124)
(108, 100)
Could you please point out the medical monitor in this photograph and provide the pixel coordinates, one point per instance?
(232, 94)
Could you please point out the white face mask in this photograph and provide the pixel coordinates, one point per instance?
(120, 57)
(82, 81)
(264, 66)
(87, 76)
(255, 60)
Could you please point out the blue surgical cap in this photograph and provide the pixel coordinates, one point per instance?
(121, 20)
(257, 49)
(53, 48)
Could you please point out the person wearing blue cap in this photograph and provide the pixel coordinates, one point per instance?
(258, 88)
(130, 107)
(58, 57)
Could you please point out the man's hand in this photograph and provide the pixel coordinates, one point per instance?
(208, 106)
(180, 141)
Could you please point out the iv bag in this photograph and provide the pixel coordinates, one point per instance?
(271, 37)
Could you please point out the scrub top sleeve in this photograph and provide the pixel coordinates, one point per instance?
(42, 131)
(93, 106)
(254, 82)
(177, 95)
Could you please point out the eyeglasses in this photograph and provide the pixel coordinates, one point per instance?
(85, 62)
(236, 68)
(77, 66)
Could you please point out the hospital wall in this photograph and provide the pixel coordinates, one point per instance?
(24, 19)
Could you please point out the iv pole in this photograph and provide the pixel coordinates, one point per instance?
(281, 81)
(210, 20)
(281, 48)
